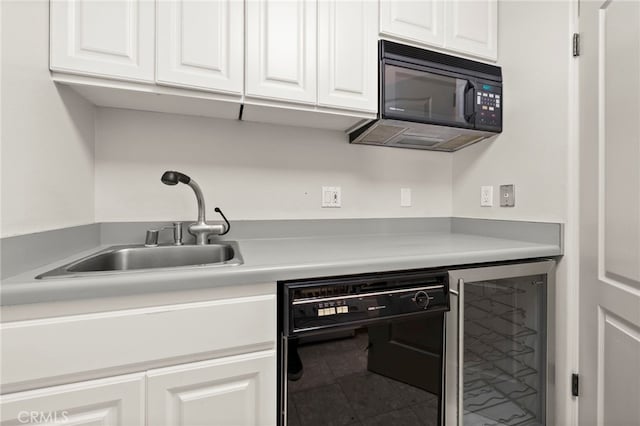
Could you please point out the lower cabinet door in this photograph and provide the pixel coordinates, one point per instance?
(114, 401)
(233, 391)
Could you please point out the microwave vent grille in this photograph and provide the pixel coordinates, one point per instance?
(416, 142)
(382, 133)
(413, 135)
(460, 141)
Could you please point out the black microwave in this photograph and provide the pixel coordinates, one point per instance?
(430, 100)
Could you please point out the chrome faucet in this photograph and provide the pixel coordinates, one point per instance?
(200, 229)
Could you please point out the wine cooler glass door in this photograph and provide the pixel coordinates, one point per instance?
(497, 346)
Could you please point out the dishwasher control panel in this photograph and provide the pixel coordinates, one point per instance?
(319, 304)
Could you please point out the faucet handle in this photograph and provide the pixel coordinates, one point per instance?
(151, 239)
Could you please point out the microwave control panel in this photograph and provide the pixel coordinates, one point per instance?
(488, 107)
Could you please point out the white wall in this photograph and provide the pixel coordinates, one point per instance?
(535, 152)
(534, 42)
(255, 171)
(47, 132)
(262, 171)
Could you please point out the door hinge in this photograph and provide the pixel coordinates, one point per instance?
(575, 385)
(576, 44)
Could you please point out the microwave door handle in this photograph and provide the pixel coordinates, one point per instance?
(469, 96)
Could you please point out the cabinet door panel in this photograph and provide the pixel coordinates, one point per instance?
(200, 44)
(281, 50)
(113, 401)
(112, 39)
(418, 21)
(347, 54)
(238, 390)
(472, 27)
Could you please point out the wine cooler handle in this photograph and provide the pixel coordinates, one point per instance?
(460, 347)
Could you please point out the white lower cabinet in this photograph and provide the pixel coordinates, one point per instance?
(238, 390)
(113, 401)
(210, 362)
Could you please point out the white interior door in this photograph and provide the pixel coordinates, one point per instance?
(610, 213)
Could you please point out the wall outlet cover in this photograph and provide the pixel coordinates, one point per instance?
(507, 195)
(405, 197)
(331, 196)
(486, 196)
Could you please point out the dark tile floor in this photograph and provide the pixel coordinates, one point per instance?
(337, 389)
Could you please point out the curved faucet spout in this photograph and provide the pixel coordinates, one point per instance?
(200, 199)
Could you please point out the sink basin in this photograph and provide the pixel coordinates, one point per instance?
(138, 257)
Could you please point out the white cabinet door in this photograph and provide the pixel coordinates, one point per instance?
(420, 21)
(281, 50)
(238, 390)
(113, 39)
(200, 44)
(114, 401)
(471, 26)
(348, 54)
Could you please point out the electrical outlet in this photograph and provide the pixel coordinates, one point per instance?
(486, 196)
(405, 197)
(331, 196)
(507, 195)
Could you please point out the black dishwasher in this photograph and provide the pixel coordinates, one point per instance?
(363, 349)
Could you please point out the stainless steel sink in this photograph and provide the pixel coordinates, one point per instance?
(138, 257)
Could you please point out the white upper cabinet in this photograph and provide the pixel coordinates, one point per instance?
(200, 44)
(238, 390)
(348, 54)
(417, 21)
(462, 26)
(113, 39)
(472, 27)
(281, 50)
